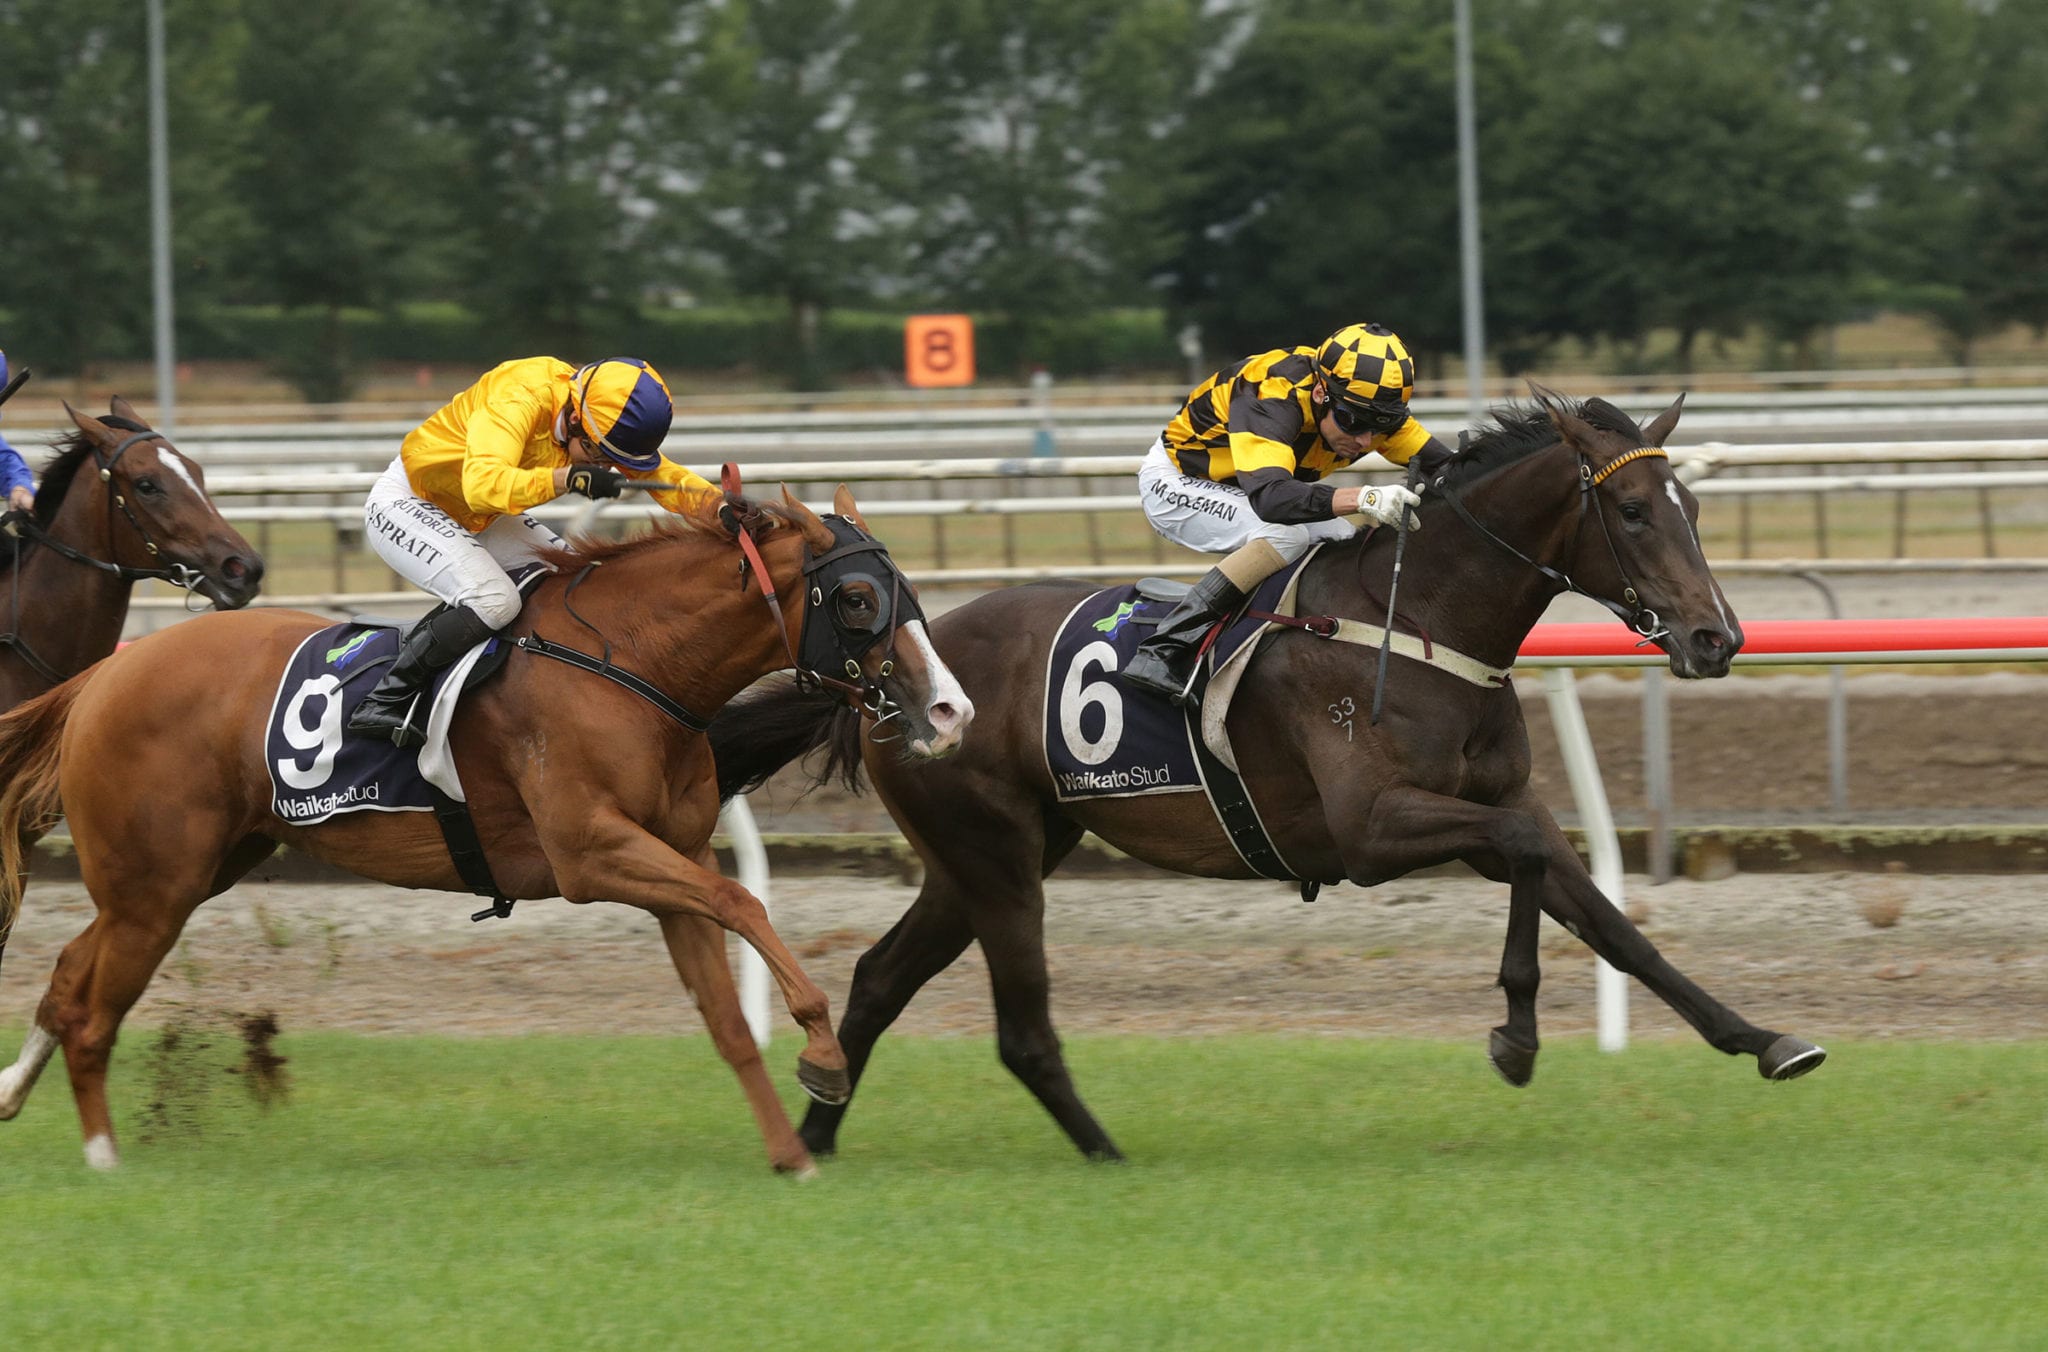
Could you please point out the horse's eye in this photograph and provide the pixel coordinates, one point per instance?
(149, 488)
(1633, 513)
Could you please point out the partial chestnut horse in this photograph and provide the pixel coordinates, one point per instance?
(1564, 494)
(579, 786)
(117, 504)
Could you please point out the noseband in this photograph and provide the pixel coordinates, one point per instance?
(829, 643)
(1630, 608)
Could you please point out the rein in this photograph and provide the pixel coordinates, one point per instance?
(1630, 608)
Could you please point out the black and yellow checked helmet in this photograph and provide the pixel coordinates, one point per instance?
(1368, 373)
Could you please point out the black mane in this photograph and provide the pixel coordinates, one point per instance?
(1520, 429)
(70, 451)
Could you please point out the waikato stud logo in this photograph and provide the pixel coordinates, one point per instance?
(1109, 624)
(349, 651)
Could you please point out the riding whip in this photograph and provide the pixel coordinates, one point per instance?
(1379, 686)
(20, 379)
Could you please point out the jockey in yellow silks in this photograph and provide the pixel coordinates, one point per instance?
(1239, 469)
(450, 514)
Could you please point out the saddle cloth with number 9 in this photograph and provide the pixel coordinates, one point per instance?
(1104, 739)
(316, 771)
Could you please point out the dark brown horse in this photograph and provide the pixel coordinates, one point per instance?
(117, 504)
(1561, 489)
(580, 786)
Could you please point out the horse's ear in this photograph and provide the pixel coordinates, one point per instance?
(817, 534)
(843, 503)
(1660, 426)
(88, 424)
(121, 408)
(1569, 425)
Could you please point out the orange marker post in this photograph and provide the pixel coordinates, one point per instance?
(938, 351)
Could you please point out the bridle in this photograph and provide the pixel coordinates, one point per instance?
(1630, 608)
(835, 646)
(832, 644)
(25, 528)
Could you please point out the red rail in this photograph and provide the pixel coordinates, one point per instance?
(2012, 638)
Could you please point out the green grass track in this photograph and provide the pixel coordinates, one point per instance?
(1283, 1192)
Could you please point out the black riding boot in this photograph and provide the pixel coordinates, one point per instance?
(433, 646)
(1164, 662)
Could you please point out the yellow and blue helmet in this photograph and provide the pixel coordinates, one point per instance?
(622, 406)
(1366, 368)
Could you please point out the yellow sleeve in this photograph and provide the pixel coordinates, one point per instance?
(1401, 444)
(692, 490)
(492, 480)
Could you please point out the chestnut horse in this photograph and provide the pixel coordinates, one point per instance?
(117, 504)
(579, 787)
(1551, 494)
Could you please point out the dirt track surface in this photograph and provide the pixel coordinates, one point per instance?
(1966, 958)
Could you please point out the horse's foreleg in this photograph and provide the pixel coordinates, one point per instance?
(1408, 828)
(697, 947)
(931, 934)
(1575, 901)
(615, 859)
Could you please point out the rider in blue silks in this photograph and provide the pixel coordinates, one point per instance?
(15, 480)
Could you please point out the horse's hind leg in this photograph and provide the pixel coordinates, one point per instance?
(16, 1080)
(697, 947)
(922, 944)
(1012, 935)
(99, 978)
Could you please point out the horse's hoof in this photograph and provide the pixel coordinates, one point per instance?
(826, 1086)
(802, 1173)
(1788, 1058)
(1515, 1063)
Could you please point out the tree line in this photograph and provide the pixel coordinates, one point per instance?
(558, 174)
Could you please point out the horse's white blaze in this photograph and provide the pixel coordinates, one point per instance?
(167, 456)
(1700, 552)
(100, 1153)
(19, 1078)
(949, 710)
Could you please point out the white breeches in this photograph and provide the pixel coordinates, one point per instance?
(424, 546)
(1216, 518)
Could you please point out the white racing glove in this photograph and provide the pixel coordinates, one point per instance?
(1384, 503)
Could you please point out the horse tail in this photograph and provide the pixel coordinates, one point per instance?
(31, 735)
(777, 722)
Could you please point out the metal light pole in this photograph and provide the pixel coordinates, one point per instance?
(160, 223)
(1468, 217)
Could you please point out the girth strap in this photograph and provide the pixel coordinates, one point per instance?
(458, 830)
(618, 675)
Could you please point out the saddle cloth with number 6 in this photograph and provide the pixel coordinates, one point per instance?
(1103, 739)
(316, 770)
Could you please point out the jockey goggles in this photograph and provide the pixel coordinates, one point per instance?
(1359, 419)
(621, 406)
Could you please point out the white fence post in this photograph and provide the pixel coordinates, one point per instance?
(752, 856)
(1597, 821)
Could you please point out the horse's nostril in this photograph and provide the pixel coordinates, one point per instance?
(234, 567)
(943, 715)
